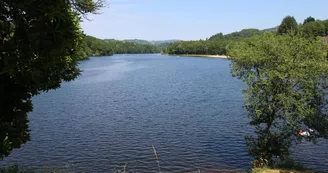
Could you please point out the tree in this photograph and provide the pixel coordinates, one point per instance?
(308, 20)
(218, 36)
(313, 29)
(287, 79)
(287, 25)
(325, 23)
(245, 33)
(40, 45)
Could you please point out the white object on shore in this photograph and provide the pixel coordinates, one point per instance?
(306, 133)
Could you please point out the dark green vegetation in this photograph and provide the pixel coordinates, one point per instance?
(315, 28)
(220, 43)
(287, 75)
(40, 44)
(288, 24)
(308, 20)
(245, 33)
(97, 47)
(207, 47)
(216, 44)
(310, 27)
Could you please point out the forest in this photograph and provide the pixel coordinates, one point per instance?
(218, 44)
(92, 46)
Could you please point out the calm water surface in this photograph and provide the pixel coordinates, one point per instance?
(190, 109)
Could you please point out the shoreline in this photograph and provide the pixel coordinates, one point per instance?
(202, 55)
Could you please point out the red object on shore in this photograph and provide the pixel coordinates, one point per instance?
(326, 39)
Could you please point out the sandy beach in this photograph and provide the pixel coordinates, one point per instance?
(208, 56)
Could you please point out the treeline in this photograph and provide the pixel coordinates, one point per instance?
(208, 47)
(216, 44)
(93, 46)
(314, 28)
(219, 43)
(245, 33)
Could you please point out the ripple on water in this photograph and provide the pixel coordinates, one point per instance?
(190, 109)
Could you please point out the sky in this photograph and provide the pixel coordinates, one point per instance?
(194, 19)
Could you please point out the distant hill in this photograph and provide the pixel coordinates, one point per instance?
(245, 33)
(154, 42)
(275, 29)
(163, 41)
(137, 41)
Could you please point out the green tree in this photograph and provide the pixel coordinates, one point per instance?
(313, 29)
(208, 47)
(308, 20)
(287, 79)
(40, 43)
(287, 25)
(325, 23)
(218, 36)
(245, 33)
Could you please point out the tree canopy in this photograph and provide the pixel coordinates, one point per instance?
(92, 46)
(216, 44)
(40, 44)
(308, 20)
(219, 43)
(287, 25)
(314, 28)
(287, 77)
(207, 47)
(245, 33)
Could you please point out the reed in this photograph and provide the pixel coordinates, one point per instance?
(158, 165)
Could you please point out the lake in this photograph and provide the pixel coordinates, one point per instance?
(189, 108)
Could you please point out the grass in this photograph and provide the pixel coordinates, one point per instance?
(124, 169)
(203, 55)
(269, 170)
(288, 166)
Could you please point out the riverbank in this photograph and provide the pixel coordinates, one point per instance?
(266, 170)
(18, 169)
(202, 55)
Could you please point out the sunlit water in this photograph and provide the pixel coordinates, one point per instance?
(190, 109)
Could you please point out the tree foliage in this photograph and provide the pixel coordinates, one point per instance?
(287, 79)
(216, 44)
(316, 28)
(308, 20)
(313, 29)
(40, 44)
(245, 33)
(207, 47)
(127, 47)
(325, 23)
(288, 25)
(93, 46)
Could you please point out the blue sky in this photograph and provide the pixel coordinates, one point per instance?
(194, 19)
